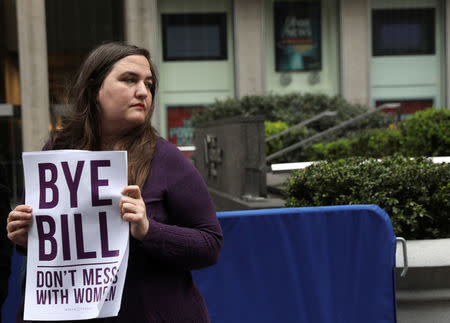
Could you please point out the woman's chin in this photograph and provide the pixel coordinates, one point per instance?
(136, 119)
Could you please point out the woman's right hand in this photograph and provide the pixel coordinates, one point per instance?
(19, 220)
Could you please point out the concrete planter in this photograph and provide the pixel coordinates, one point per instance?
(424, 294)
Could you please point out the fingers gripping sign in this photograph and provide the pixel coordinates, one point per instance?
(132, 209)
(19, 221)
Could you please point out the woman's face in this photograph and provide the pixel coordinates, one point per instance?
(124, 97)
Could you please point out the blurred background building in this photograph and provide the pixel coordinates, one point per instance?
(368, 51)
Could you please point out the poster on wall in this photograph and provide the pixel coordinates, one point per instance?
(181, 131)
(297, 36)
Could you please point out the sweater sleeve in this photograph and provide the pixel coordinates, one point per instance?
(192, 238)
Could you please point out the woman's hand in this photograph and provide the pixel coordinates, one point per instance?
(132, 209)
(19, 221)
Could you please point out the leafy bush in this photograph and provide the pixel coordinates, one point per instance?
(341, 148)
(427, 133)
(272, 128)
(369, 143)
(292, 109)
(415, 193)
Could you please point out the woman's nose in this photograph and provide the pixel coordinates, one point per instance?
(141, 90)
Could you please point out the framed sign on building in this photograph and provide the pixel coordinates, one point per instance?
(297, 36)
(180, 129)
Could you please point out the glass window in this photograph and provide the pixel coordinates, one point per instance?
(403, 32)
(9, 57)
(10, 114)
(74, 27)
(194, 37)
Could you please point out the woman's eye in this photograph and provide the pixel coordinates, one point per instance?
(129, 80)
(149, 85)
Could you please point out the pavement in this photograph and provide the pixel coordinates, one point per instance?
(276, 183)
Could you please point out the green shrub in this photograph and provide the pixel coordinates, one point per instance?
(292, 109)
(379, 142)
(274, 145)
(272, 128)
(415, 193)
(341, 148)
(427, 133)
(368, 143)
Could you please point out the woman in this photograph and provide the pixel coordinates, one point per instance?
(173, 225)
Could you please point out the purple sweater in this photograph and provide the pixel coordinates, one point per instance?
(184, 234)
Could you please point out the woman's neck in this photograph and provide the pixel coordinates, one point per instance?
(108, 143)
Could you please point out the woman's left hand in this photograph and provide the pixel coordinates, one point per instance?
(132, 210)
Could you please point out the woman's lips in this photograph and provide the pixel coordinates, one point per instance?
(139, 106)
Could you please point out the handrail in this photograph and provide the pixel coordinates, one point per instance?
(306, 141)
(301, 124)
(405, 256)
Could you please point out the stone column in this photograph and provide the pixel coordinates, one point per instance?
(141, 29)
(33, 73)
(355, 51)
(249, 47)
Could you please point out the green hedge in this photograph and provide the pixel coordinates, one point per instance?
(425, 133)
(292, 109)
(368, 143)
(272, 128)
(415, 193)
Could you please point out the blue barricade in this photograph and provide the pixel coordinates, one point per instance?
(314, 265)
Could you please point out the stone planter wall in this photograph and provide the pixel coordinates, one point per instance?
(423, 296)
(230, 155)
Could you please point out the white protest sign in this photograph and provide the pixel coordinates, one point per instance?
(77, 243)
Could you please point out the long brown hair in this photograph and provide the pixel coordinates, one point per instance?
(80, 125)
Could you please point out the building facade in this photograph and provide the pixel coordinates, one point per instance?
(367, 51)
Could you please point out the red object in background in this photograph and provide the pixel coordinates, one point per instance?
(179, 127)
(180, 130)
(407, 107)
(188, 154)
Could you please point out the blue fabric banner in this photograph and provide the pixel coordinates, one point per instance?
(315, 264)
